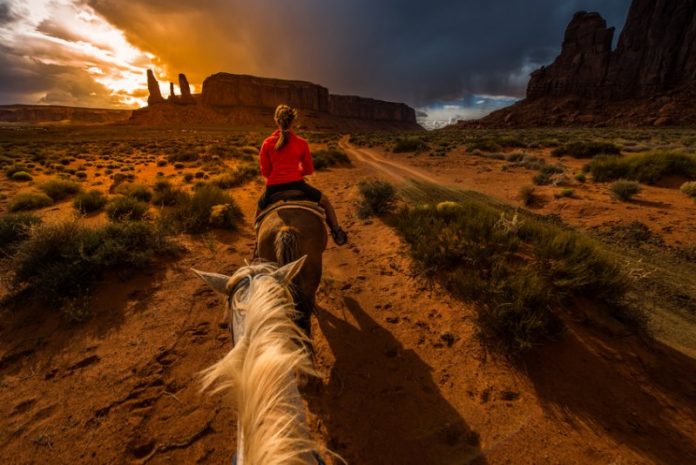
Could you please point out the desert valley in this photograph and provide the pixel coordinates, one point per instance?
(516, 289)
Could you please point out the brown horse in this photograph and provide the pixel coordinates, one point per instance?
(284, 236)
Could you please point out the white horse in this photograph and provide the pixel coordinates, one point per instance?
(261, 370)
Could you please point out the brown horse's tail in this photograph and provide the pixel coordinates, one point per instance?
(287, 246)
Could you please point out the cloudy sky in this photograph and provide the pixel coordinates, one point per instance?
(447, 57)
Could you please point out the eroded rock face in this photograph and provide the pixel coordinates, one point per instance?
(172, 95)
(185, 89)
(656, 53)
(246, 99)
(582, 66)
(153, 88)
(226, 90)
(650, 79)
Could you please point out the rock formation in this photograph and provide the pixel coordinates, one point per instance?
(153, 88)
(172, 95)
(650, 79)
(185, 89)
(244, 100)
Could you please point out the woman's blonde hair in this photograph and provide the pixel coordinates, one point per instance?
(284, 116)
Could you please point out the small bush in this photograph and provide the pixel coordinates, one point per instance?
(647, 168)
(324, 159)
(484, 145)
(127, 209)
(625, 190)
(166, 195)
(378, 198)
(580, 177)
(58, 189)
(586, 149)
(14, 228)
(236, 177)
(519, 269)
(208, 207)
(29, 201)
(89, 202)
(528, 196)
(64, 259)
(182, 156)
(15, 168)
(689, 188)
(410, 144)
(565, 193)
(139, 192)
(543, 178)
(21, 176)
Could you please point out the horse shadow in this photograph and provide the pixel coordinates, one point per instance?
(381, 404)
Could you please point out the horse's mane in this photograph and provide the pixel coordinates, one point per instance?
(260, 371)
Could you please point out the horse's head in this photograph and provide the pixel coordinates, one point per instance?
(238, 288)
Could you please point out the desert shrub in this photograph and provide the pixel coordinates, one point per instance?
(409, 144)
(689, 188)
(545, 173)
(647, 168)
(528, 196)
(208, 207)
(15, 168)
(81, 174)
(161, 162)
(183, 156)
(58, 188)
(29, 201)
(89, 202)
(14, 228)
(236, 177)
(580, 177)
(331, 157)
(64, 259)
(166, 195)
(139, 192)
(519, 269)
(483, 145)
(565, 193)
(188, 177)
(510, 142)
(586, 149)
(377, 198)
(21, 176)
(624, 190)
(127, 209)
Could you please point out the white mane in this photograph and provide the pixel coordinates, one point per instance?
(261, 371)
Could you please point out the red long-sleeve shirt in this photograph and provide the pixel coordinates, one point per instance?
(291, 163)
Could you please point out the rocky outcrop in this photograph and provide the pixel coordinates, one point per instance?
(153, 89)
(227, 90)
(242, 99)
(650, 79)
(582, 66)
(172, 95)
(185, 89)
(60, 115)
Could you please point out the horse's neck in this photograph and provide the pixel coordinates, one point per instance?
(292, 396)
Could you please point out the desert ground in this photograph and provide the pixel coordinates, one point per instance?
(107, 372)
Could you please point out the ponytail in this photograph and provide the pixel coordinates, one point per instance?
(284, 116)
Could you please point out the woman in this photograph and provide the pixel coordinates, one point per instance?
(285, 161)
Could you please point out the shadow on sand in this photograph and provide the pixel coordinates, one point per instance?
(381, 405)
(642, 396)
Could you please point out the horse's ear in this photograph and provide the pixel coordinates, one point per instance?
(287, 272)
(215, 280)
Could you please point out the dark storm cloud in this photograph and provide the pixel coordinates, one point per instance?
(420, 52)
(412, 50)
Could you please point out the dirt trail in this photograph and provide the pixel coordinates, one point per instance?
(405, 379)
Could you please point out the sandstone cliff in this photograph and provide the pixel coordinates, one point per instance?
(249, 100)
(650, 79)
(58, 115)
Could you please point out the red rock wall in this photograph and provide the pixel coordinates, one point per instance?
(349, 106)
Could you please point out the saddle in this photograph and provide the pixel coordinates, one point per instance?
(286, 200)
